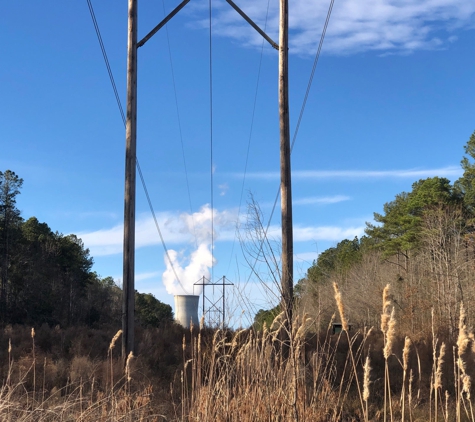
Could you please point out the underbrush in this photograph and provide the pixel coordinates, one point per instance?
(277, 374)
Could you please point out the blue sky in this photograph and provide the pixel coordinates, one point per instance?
(391, 102)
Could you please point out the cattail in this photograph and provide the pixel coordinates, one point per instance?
(114, 339)
(341, 308)
(438, 373)
(127, 366)
(390, 336)
(367, 372)
(405, 353)
(386, 309)
(32, 333)
(9, 345)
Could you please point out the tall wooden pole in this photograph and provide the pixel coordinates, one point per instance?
(128, 289)
(285, 175)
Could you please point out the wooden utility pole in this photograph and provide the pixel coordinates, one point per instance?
(130, 165)
(128, 287)
(287, 281)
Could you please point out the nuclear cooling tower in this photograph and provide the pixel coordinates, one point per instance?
(186, 310)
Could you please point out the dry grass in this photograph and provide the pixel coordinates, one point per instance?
(243, 376)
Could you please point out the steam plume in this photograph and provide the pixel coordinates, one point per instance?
(191, 267)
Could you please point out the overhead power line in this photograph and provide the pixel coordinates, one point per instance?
(211, 130)
(179, 128)
(302, 109)
(106, 60)
(121, 110)
(250, 135)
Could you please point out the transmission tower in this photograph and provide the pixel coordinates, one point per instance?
(214, 304)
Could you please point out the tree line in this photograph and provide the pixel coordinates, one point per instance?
(423, 244)
(47, 277)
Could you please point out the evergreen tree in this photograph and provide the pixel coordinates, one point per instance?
(466, 184)
(10, 185)
(398, 231)
(150, 311)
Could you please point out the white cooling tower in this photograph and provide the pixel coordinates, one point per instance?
(186, 310)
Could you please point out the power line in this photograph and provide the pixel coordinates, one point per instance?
(302, 109)
(106, 60)
(315, 62)
(156, 224)
(250, 135)
(121, 110)
(179, 128)
(211, 131)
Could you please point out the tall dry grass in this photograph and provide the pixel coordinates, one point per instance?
(244, 376)
(26, 393)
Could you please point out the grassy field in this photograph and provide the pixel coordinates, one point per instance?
(224, 375)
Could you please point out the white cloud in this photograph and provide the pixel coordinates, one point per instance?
(378, 25)
(320, 233)
(360, 174)
(328, 233)
(175, 228)
(321, 200)
(147, 276)
(223, 189)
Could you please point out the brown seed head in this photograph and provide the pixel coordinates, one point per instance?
(463, 340)
(438, 373)
(405, 352)
(467, 383)
(127, 365)
(390, 335)
(366, 380)
(114, 339)
(385, 316)
(341, 308)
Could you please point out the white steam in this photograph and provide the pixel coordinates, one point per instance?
(184, 269)
(198, 266)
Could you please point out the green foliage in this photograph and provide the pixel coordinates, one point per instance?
(336, 261)
(399, 227)
(150, 311)
(265, 316)
(10, 185)
(466, 184)
(46, 277)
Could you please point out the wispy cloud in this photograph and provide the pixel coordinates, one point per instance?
(321, 200)
(319, 233)
(378, 25)
(328, 233)
(183, 229)
(176, 229)
(223, 189)
(147, 276)
(360, 174)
